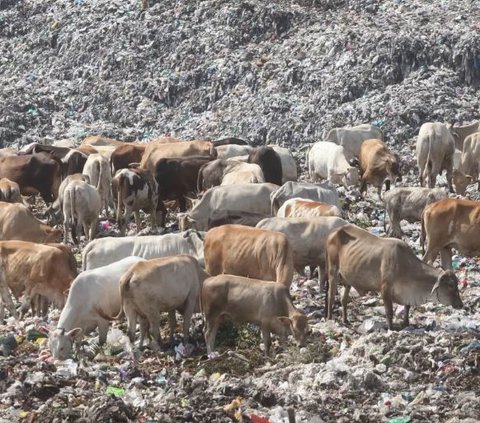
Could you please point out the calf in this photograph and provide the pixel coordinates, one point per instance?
(300, 207)
(244, 300)
(34, 269)
(160, 285)
(407, 203)
(270, 163)
(377, 163)
(251, 252)
(358, 259)
(18, 222)
(97, 168)
(93, 294)
(10, 191)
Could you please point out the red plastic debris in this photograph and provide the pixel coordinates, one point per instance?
(257, 419)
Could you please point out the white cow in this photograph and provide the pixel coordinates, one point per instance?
(97, 168)
(326, 160)
(232, 150)
(103, 251)
(243, 173)
(351, 138)
(289, 165)
(91, 291)
(470, 161)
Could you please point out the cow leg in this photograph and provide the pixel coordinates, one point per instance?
(26, 304)
(430, 255)
(182, 204)
(211, 328)
(406, 312)
(172, 323)
(267, 340)
(126, 219)
(154, 323)
(187, 319)
(345, 298)
(379, 192)
(138, 221)
(388, 304)
(102, 331)
(163, 210)
(153, 214)
(131, 316)
(446, 258)
(5, 296)
(93, 230)
(144, 330)
(66, 228)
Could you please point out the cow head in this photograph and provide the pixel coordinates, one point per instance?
(60, 342)
(461, 181)
(445, 290)
(184, 221)
(297, 325)
(393, 168)
(352, 177)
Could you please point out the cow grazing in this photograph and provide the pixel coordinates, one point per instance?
(156, 151)
(366, 262)
(136, 189)
(459, 133)
(351, 138)
(97, 168)
(35, 173)
(251, 252)
(300, 207)
(225, 217)
(434, 149)
(57, 205)
(289, 165)
(243, 173)
(231, 150)
(104, 251)
(18, 222)
(81, 208)
(377, 163)
(126, 154)
(244, 300)
(165, 284)
(93, 293)
(229, 141)
(451, 223)
(270, 163)
(323, 192)
(34, 269)
(10, 191)
(326, 160)
(407, 203)
(250, 198)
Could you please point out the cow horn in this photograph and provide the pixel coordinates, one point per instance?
(62, 331)
(436, 286)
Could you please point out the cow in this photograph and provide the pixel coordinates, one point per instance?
(97, 168)
(35, 173)
(156, 151)
(229, 141)
(300, 207)
(81, 208)
(177, 177)
(71, 160)
(359, 259)
(101, 141)
(225, 217)
(18, 222)
(244, 300)
(307, 237)
(158, 285)
(459, 133)
(232, 150)
(289, 165)
(252, 252)
(326, 160)
(57, 205)
(136, 189)
(93, 293)
(323, 192)
(434, 150)
(407, 203)
(351, 138)
(469, 163)
(270, 163)
(34, 269)
(10, 191)
(377, 163)
(451, 223)
(243, 173)
(250, 198)
(104, 251)
(225, 172)
(126, 154)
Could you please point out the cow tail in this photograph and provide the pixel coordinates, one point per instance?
(85, 253)
(428, 164)
(124, 288)
(423, 233)
(310, 165)
(100, 174)
(121, 181)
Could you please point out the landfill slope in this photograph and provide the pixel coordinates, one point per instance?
(276, 72)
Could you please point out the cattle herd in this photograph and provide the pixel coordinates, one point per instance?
(245, 226)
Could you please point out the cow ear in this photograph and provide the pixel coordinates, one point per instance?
(74, 333)
(286, 321)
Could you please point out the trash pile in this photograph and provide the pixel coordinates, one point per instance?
(278, 72)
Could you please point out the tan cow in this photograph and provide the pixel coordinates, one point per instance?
(303, 207)
(358, 259)
(99, 140)
(244, 300)
(18, 222)
(460, 133)
(251, 252)
(159, 285)
(470, 161)
(160, 150)
(34, 269)
(451, 223)
(435, 149)
(377, 163)
(10, 191)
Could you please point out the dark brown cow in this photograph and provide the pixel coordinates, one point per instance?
(270, 163)
(228, 141)
(211, 174)
(126, 154)
(36, 173)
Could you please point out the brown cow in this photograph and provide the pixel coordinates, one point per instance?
(251, 252)
(99, 140)
(303, 207)
(18, 222)
(36, 173)
(10, 191)
(270, 163)
(126, 154)
(377, 163)
(267, 304)
(451, 223)
(34, 270)
(356, 258)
